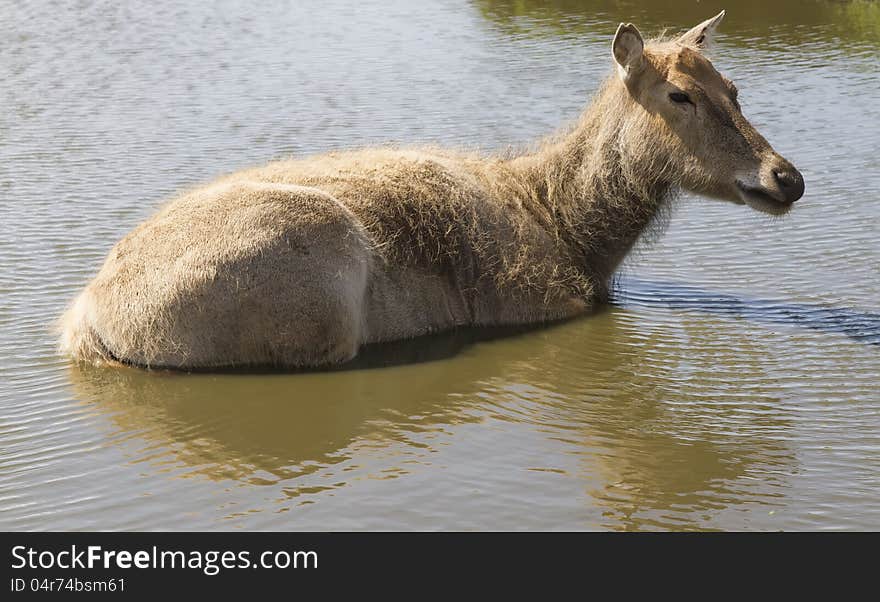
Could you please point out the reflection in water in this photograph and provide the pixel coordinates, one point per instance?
(669, 453)
(236, 426)
(618, 397)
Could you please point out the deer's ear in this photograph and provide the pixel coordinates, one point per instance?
(627, 49)
(701, 35)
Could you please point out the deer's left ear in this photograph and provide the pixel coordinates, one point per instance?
(701, 35)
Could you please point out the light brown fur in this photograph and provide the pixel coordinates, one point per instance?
(300, 262)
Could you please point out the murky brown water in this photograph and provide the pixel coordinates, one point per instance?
(733, 385)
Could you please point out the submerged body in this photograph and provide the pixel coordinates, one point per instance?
(299, 263)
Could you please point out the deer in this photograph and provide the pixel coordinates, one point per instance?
(301, 262)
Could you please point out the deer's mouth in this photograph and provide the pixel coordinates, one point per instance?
(763, 200)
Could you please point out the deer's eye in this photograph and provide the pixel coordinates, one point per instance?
(680, 97)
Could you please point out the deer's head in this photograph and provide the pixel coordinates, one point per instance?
(712, 147)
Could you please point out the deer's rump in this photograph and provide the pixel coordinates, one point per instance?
(235, 274)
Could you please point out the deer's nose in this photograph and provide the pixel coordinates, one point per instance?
(790, 182)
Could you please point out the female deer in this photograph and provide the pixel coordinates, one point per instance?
(300, 262)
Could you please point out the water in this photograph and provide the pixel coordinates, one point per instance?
(733, 384)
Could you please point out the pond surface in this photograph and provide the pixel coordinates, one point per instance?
(733, 384)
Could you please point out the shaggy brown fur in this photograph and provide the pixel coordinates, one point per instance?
(300, 262)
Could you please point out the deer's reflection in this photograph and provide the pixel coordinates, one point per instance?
(648, 419)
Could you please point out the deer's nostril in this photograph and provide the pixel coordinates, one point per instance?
(790, 182)
(783, 178)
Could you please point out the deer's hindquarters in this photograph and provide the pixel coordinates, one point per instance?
(247, 274)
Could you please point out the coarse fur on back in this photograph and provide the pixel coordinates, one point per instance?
(300, 262)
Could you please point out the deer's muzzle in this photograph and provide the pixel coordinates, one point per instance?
(774, 188)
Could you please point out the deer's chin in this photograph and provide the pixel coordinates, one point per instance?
(763, 200)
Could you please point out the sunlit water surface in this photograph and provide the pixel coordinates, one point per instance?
(733, 384)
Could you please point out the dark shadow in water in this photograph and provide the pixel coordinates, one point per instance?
(861, 326)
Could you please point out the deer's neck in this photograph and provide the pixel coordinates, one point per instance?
(599, 186)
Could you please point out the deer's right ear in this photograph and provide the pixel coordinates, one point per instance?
(627, 49)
